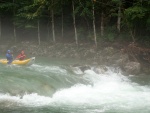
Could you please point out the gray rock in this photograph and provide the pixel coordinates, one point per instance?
(100, 69)
(132, 67)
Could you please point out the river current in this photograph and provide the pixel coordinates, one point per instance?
(51, 86)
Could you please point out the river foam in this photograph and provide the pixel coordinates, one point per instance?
(107, 91)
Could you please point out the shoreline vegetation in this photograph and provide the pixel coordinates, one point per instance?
(109, 32)
(131, 58)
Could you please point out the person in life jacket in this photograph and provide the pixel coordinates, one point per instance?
(21, 56)
(9, 57)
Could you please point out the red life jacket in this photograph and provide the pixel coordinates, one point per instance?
(21, 56)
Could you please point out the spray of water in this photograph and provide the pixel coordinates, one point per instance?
(107, 91)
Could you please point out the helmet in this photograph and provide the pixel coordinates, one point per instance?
(8, 51)
(22, 52)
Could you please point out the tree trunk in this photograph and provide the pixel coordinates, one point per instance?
(102, 24)
(53, 26)
(15, 36)
(119, 18)
(62, 22)
(74, 23)
(132, 32)
(88, 26)
(0, 28)
(94, 29)
(48, 32)
(39, 39)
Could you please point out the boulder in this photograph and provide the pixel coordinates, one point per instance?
(132, 67)
(100, 69)
(85, 67)
(81, 68)
(122, 60)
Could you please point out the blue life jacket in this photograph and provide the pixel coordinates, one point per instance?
(9, 56)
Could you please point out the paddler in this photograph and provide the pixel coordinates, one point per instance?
(21, 56)
(9, 57)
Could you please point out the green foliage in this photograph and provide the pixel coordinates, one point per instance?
(28, 13)
(110, 33)
(110, 37)
(29, 26)
(82, 34)
(135, 15)
(148, 23)
(85, 9)
(6, 6)
(135, 12)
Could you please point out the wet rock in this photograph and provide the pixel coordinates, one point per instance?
(83, 68)
(146, 69)
(100, 69)
(122, 60)
(79, 69)
(132, 67)
(109, 50)
(103, 55)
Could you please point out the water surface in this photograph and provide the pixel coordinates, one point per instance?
(50, 86)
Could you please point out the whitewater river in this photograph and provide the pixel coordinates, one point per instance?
(50, 86)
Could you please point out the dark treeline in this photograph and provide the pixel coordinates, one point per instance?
(75, 20)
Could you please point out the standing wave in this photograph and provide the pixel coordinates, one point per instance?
(56, 86)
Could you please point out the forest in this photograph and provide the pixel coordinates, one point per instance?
(75, 20)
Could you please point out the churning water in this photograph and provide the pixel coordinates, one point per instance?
(51, 86)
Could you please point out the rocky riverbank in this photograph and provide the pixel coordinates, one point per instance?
(108, 54)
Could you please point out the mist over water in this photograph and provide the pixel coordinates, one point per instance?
(52, 86)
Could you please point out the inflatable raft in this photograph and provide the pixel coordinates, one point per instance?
(29, 61)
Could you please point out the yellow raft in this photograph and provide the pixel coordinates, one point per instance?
(19, 62)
